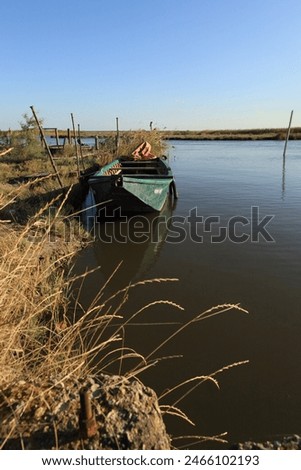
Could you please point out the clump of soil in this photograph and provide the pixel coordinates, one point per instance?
(126, 415)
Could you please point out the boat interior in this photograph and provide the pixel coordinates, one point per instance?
(137, 167)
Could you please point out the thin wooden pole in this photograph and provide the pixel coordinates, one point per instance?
(80, 146)
(57, 137)
(46, 146)
(288, 133)
(76, 148)
(117, 136)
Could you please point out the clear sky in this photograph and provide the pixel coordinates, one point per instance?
(183, 64)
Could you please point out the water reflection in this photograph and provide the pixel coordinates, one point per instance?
(283, 178)
(89, 211)
(133, 242)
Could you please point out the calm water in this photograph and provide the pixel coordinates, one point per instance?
(260, 400)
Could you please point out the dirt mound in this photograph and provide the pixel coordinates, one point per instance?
(125, 415)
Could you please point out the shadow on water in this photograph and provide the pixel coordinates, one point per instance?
(126, 245)
(135, 240)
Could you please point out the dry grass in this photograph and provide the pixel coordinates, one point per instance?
(127, 142)
(33, 297)
(130, 140)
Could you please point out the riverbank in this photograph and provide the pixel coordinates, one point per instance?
(124, 415)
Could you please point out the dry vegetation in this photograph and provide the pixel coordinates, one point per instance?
(206, 134)
(239, 134)
(45, 333)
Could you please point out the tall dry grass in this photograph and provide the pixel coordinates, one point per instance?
(131, 139)
(128, 141)
(33, 297)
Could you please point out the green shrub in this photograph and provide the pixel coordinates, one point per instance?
(26, 142)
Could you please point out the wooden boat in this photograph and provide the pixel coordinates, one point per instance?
(133, 185)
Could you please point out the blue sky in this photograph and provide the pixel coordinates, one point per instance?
(183, 64)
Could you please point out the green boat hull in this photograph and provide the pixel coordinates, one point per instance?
(145, 189)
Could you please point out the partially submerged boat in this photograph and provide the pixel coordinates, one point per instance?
(133, 184)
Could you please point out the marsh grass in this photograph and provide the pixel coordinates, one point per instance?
(234, 134)
(32, 295)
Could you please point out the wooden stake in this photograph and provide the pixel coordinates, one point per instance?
(80, 146)
(87, 422)
(57, 137)
(117, 137)
(46, 146)
(76, 148)
(288, 133)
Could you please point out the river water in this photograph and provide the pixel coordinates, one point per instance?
(233, 236)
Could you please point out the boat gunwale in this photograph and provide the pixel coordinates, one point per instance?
(119, 168)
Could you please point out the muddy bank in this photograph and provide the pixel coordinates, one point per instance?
(292, 442)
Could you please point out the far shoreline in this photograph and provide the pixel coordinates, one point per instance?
(237, 134)
(202, 135)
